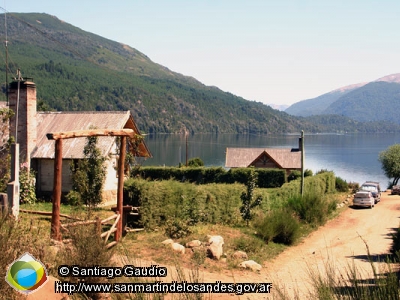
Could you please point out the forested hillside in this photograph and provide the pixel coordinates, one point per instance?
(76, 70)
(376, 101)
(314, 106)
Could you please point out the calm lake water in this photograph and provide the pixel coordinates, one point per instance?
(353, 157)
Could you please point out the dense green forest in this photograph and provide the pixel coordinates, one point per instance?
(376, 101)
(75, 70)
(316, 105)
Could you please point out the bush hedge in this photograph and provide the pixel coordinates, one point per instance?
(161, 201)
(266, 178)
(165, 200)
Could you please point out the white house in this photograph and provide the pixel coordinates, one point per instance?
(37, 152)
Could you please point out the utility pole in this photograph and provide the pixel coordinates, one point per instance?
(302, 164)
(6, 44)
(19, 78)
(186, 135)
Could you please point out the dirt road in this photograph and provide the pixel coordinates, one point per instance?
(340, 242)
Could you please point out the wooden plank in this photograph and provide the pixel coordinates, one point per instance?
(133, 229)
(46, 213)
(113, 243)
(105, 233)
(115, 225)
(91, 132)
(109, 219)
(87, 222)
(62, 227)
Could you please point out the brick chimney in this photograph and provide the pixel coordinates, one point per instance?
(26, 129)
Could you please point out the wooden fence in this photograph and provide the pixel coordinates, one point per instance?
(78, 222)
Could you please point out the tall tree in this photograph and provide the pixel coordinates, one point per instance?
(249, 200)
(89, 174)
(390, 160)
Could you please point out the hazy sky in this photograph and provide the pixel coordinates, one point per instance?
(276, 52)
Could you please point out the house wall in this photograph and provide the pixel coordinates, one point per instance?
(270, 164)
(45, 175)
(264, 161)
(45, 178)
(111, 181)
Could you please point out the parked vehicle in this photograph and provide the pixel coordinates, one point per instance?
(364, 199)
(396, 190)
(374, 188)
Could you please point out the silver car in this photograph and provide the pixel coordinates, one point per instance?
(364, 199)
(374, 188)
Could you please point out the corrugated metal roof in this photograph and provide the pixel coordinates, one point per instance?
(48, 122)
(244, 157)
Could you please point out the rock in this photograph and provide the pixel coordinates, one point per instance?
(193, 244)
(167, 242)
(178, 248)
(250, 264)
(240, 255)
(215, 243)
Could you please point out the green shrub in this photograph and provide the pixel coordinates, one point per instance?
(295, 174)
(354, 186)
(73, 198)
(270, 178)
(341, 185)
(308, 173)
(195, 162)
(312, 208)
(249, 200)
(279, 226)
(177, 229)
(395, 248)
(27, 186)
(248, 244)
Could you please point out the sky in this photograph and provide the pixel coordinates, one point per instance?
(276, 52)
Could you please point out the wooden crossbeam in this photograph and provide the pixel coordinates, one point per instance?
(91, 132)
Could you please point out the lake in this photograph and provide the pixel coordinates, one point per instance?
(353, 157)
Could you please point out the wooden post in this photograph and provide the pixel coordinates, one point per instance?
(302, 164)
(98, 226)
(121, 174)
(55, 218)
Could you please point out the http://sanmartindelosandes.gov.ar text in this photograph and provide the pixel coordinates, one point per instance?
(161, 287)
(82, 286)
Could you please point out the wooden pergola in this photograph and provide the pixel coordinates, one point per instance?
(58, 137)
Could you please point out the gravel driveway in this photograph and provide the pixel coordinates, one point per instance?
(338, 243)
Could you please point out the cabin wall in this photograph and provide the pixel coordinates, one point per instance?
(45, 178)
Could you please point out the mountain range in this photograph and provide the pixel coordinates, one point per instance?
(378, 100)
(75, 70)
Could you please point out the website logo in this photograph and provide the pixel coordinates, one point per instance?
(26, 274)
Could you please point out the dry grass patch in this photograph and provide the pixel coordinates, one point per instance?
(147, 246)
